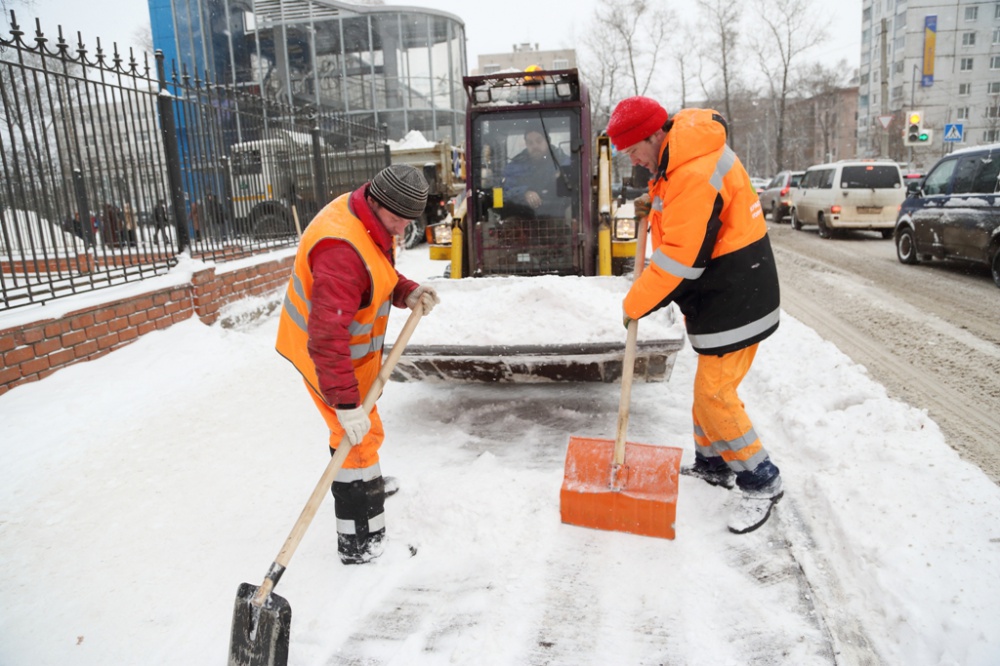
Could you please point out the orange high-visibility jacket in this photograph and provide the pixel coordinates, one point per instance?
(711, 254)
(367, 330)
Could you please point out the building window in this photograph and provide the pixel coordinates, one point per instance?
(991, 136)
(972, 13)
(996, 34)
(994, 88)
(995, 62)
(993, 112)
(963, 113)
(491, 69)
(996, 11)
(968, 39)
(898, 67)
(964, 88)
(560, 63)
(966, 64)
(863, 100)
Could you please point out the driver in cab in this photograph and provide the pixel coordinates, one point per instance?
(530, 178)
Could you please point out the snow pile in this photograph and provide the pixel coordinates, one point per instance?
(413, 140)
(532, 311)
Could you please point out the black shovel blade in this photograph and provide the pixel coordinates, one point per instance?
(260, 637)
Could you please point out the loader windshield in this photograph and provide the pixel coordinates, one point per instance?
(527, 188)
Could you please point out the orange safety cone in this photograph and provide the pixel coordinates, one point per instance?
(617, 485)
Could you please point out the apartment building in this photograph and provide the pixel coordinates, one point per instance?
(940, 58)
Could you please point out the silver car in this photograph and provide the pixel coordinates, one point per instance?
(776, 198)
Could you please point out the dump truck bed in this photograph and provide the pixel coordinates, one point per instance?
(534, 330)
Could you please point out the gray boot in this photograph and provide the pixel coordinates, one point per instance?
(754, 507)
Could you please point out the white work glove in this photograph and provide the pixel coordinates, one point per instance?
(425, 296)
(355, 423)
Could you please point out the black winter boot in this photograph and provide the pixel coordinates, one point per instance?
(712, 474)
(359, 504)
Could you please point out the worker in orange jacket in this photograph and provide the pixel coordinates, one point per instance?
(711, 256)
(332, 326)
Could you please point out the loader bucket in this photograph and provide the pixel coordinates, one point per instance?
(640, 499)
(582, 362)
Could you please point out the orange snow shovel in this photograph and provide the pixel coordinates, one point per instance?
(262, 621)
(618, 485)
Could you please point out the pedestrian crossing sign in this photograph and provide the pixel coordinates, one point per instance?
(954, 132)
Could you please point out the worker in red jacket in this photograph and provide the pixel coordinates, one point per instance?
(332, 327)
(711, 256)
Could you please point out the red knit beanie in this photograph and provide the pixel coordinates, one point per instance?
(635, 119)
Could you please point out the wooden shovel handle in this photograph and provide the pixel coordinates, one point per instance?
(336, 462)
(628, 361)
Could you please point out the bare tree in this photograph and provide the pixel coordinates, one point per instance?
(624, 43)
(685, 59)
(142, 38)
(721, 19)
(822, 87)
(788, 29)
(602, 61)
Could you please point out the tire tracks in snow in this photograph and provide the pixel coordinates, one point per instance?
(930, 350)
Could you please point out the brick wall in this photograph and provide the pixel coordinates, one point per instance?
(36, 350)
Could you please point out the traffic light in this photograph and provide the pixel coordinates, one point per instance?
(916, 133)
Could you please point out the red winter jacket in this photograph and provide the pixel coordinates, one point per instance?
(341, 284)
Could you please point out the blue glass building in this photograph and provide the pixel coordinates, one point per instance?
(401, 66)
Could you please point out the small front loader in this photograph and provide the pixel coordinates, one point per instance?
(559, 221)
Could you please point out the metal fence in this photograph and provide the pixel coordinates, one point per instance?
(112, 166)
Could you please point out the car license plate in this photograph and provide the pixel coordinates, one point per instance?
(870, 210)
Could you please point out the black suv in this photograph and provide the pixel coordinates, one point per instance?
(954, 212)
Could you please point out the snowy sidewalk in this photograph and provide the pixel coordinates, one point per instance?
(142, 488)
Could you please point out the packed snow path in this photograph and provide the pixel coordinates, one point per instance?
(142, 488)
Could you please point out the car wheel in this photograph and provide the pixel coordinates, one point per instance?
(270, 220)
(824, 231)
(906, 248)
(886, 233)
(796, 222)
(995, 265)
(415, 233)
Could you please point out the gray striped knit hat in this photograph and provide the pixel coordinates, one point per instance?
(402, 189)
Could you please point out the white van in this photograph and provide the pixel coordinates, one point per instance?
(849, 194)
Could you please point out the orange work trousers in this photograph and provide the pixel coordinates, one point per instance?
(362, 455)
(721, 425)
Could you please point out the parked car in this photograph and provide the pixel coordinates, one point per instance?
(759, 184)
(775, 199)
(849, 194)
(954, 212)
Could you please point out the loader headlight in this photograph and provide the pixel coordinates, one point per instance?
(624, 228)
(442, 234)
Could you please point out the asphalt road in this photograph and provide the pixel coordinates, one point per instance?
(929, 333)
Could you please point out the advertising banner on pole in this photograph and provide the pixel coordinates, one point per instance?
(930, 46)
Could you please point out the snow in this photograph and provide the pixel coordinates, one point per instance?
(533, 311)
(140, 489)
(414, 139)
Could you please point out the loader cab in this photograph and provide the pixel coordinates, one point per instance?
(528, 156)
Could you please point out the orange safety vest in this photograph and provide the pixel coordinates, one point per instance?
(369, 325)
(711, 254)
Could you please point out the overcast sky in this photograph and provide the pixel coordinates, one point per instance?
(551, 24)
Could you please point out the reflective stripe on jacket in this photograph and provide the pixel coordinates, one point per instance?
(711, 254)
(367, 330)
